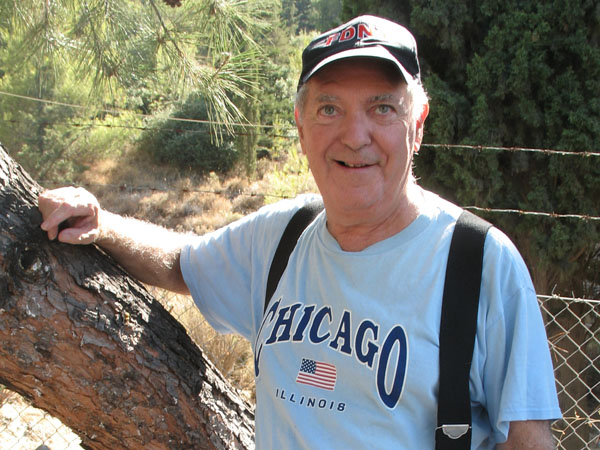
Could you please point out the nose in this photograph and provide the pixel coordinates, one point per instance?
(355, 132)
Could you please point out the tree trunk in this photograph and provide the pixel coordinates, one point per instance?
(87, 343)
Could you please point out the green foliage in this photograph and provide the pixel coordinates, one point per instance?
(278, 89)
(448, 111)
(525, 76)
(189, 144)
(284, 138)
(536, 75)
(54, 140)
(310, 15)
(298, 15)
(390, 9)
(328, 14)
(522, 74)
(292, 179)
(153, 53)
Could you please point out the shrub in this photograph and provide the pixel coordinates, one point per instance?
(189, 145)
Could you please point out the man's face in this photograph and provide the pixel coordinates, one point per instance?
(357, 131)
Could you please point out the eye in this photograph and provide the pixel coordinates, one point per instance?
(328, 110)
(383, 109)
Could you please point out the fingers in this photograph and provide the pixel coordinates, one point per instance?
(77, 236)
(70, 214)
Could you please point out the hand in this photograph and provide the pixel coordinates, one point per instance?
(70, 214)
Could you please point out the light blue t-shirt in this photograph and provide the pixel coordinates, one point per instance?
(347, 354)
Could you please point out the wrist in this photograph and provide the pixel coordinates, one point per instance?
(106, 228)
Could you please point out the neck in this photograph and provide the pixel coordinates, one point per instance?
(357, 232)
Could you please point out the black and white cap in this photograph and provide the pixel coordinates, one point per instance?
(367, 37)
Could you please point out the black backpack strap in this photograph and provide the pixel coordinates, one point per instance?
(299, 221)
(457, 331)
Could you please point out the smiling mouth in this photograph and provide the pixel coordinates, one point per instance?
(352, 166)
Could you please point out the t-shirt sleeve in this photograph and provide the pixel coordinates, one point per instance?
(515, 378)
(226, 270)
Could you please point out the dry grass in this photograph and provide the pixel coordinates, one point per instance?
(5, 395)
(231, 354)
(187, 202)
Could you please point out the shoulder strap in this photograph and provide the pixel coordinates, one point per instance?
(459, 316)
(457, 331)
(299, 221)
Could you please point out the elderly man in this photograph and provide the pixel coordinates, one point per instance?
(346, 354)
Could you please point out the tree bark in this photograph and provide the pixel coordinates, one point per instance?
(87, 343)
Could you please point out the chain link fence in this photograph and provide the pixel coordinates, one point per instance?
(573, 329)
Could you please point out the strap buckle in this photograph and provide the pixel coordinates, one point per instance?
(455, 431)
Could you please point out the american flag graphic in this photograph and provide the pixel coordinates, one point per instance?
(318, 374)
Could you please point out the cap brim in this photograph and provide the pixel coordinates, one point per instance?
(361, 52)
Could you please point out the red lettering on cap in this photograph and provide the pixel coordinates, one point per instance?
(364, 31)
(347, 34)
(331, 39)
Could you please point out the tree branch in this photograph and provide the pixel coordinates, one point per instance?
(87, 343)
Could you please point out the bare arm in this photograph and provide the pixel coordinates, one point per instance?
(529, 434)
(148, 252)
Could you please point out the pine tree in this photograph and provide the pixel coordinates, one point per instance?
(147, 50)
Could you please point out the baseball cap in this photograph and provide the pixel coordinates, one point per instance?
(363, 36)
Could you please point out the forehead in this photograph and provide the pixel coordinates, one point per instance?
(363, 73)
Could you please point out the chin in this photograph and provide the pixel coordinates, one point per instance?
(347, 202)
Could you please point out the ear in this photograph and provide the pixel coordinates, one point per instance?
(299, 127)
(420, 125)
(298, 123)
